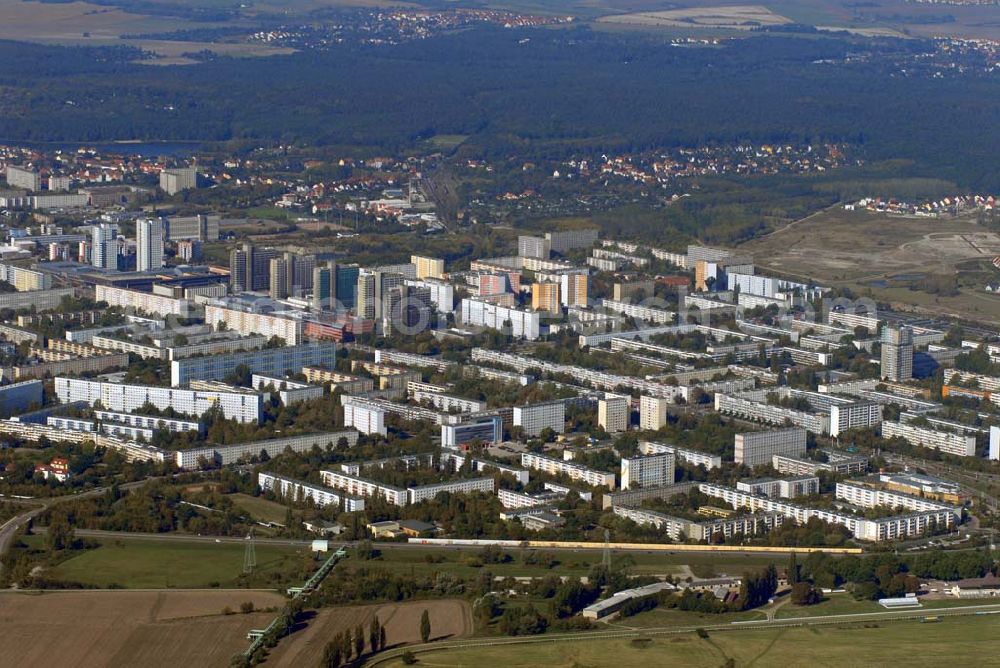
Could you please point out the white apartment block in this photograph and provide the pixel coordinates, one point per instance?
(613, 413)
(554, 466)
(405, 411)
(412, 359)
(513, 500)
(446, 402)
(845, 465)
(243, 407)
(681, 529)
(865, 496)
(292, 489)
(853, 320)
(366, 419)
(356, 486)
(599, 379)
(648, 471)
(457, 460)
(148, 421)
(488, 429)
(647, 313)
(71, 424)
(536, 417)
(882, 529)
(224, 455)
(458, 486)
(759, 447)
(828, 414)
(289, 392)
(960, 445)
(692, 457)
(652, 412)
(523, 324)
(143, 302)
(442, 293)
(398, 496)
(783, 488)
(288, 329)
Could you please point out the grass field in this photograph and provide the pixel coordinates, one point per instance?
(969, 640)
(260, 509)
(844, 604)
(152, 564)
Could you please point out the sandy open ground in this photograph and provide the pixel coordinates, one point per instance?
(127, 628)
(741, 17)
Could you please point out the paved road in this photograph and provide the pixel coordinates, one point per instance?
(11, 526)
(182, 537)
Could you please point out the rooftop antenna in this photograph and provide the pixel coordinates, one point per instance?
(249, 555)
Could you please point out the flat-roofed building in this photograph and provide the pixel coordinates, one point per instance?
(648, 470)
(534, 418)
(613, 413)
(652, 412)
(758, 448)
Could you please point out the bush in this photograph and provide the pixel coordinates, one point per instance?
(408, 658)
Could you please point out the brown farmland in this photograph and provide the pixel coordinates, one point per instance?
(449, 619)
(128, 628)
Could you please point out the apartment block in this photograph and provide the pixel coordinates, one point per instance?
(892, 528)
(758, 448)
(365, 418)
(297, 490)
(784, 488)
(873, 496)
(339, 381)
(693, 457)
(269, 362)
(648, 471)
(523, 324)
(235, 405)
(289, 329)
(545, 297)
(488, 430)
(428, 267)
(536, 247)
(534, 418)
(554, 466)
(652, 412)
(143, 302)
(960, 445)
(613, 413)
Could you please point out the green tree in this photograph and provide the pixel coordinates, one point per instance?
(425, 626)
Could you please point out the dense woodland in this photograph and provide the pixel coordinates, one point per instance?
(552, 94)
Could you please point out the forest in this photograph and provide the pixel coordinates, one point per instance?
(523, 93)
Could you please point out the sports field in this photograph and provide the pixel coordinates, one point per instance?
(957, 641)
(152, 564)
